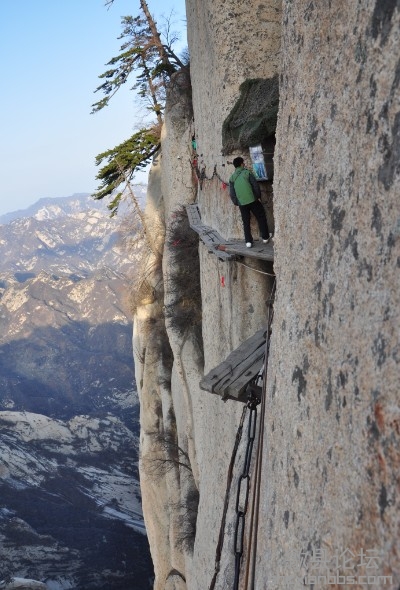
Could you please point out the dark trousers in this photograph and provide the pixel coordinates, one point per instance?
(258, 211)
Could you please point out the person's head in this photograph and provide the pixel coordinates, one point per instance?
(238, 162)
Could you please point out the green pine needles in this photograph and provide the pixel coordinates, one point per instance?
(151, 62)
(122, 161)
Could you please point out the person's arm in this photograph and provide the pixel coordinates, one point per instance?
(255, 186)
(232, 193)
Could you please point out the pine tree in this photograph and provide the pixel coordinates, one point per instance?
(152, 62)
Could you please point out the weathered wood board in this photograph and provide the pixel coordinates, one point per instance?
(193, 214)
(208, 235)
(226, 250)
(259, 250)
(230, 378)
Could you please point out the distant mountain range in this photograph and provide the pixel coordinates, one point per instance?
(67, 205)
(70, 515)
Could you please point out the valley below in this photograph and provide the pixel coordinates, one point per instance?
(70, 515)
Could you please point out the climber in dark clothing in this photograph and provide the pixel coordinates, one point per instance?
(245, 192)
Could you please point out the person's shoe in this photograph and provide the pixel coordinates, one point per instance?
(248, 244)
(266, 241)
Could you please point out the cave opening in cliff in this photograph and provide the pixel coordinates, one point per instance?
(251, 127)
(253, 118)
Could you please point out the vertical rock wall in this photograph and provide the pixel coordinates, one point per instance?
(233, 301)
(228, 43)
(152, 371)
(330, 456)
(331, 459)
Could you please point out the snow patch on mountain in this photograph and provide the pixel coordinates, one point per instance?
(69, 421)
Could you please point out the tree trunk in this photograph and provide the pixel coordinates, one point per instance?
(153, 27)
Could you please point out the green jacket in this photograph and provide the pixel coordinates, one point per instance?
(244, 187)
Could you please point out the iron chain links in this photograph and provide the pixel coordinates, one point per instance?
(243, 490)
(255, 396)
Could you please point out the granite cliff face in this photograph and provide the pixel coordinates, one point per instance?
(71, 512)
(330, 462)
(335, 455)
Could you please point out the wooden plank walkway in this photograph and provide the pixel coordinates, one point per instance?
(259, 250)
(193, 214)
(226, 250)
(208, 235)
(231, 377)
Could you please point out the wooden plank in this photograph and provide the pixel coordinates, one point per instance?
(237, 389)
(193, 214)
(231, 369)
(259, 250)
(222, 256)
(220, 247)
(208, 235)
(212, 240)
(241, 374)
(244, 351)
(241, 358)
(238, 368)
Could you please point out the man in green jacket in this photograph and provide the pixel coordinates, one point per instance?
(245, 192)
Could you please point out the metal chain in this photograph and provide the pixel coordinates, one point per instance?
(202, 176)
(226, 502)
(256, 395)
(253, 541)
(242, 496)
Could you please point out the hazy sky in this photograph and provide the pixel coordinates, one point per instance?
(52, 52)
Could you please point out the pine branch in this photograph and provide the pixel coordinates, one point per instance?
(122, 161)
